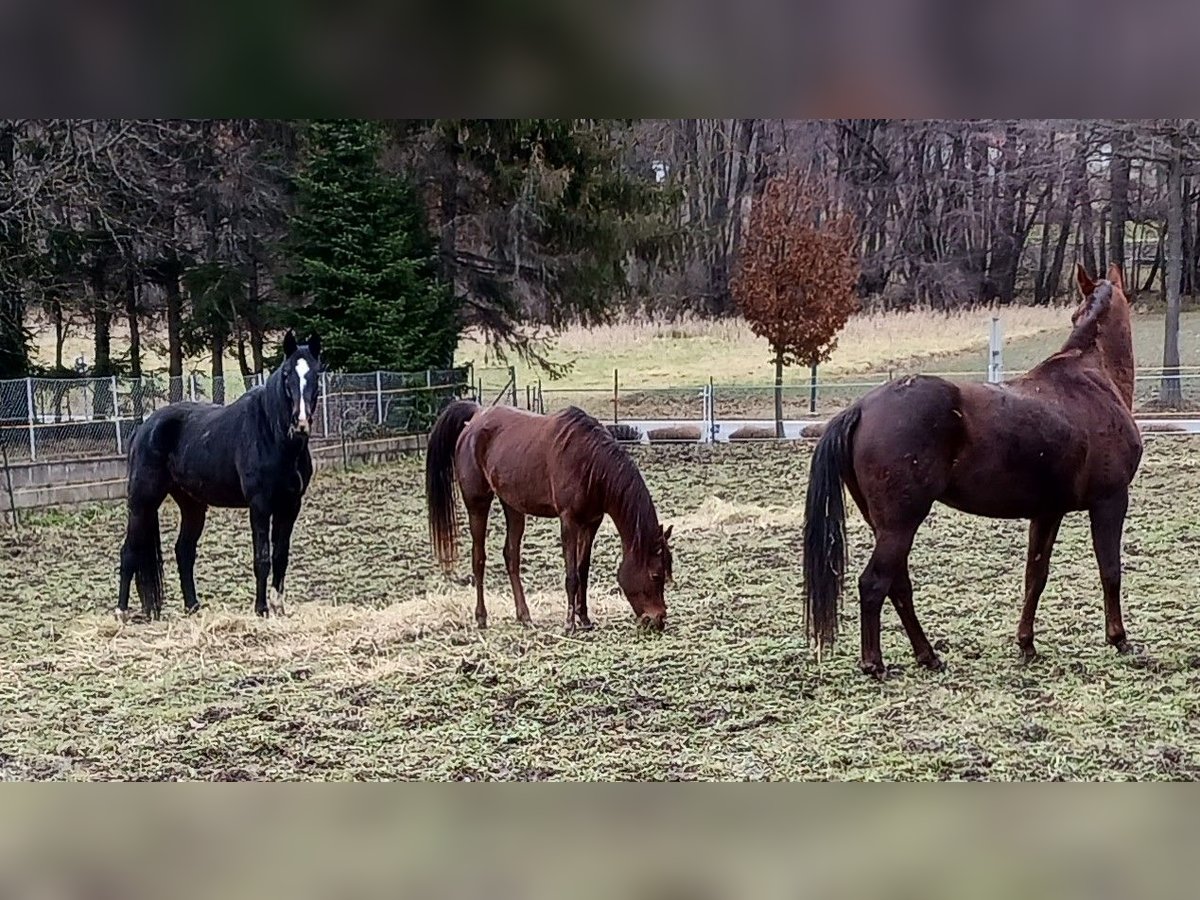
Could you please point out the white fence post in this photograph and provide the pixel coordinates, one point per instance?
(116, 412)
(29, 401)
(995, 353)
(379, 395)
(324, 405)
(192, 387)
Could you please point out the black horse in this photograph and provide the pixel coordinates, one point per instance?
(252, 454)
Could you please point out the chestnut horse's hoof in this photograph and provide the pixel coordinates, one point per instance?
(1123, 646)
(932, 662)
(878, 671)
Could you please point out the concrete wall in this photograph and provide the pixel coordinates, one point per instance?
(54, 484)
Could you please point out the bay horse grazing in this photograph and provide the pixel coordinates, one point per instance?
(252, 454)
(566, 466)
(1059, 439)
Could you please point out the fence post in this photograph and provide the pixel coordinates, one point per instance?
(812, 392)
(116, 412)
(379, 395)
(324, 405)
(29, 401)
(995, 352)
(616, 400)
(192, 386)
(512, 378)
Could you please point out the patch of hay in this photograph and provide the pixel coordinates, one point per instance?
(623, 432)
(813, 430)
(674, 433)
(716, 514)
(753, 433)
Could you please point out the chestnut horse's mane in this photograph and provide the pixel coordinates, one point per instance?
(1085, 333)
(604, 462)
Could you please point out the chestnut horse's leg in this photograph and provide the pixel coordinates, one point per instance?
(477, 512)
(902, 598)
(514, 521)
(1042, 534)
(888, 561)
(570, 559)
(1108, 520)
(585, 537)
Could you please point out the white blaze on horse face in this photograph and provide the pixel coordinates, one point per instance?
(302, 374)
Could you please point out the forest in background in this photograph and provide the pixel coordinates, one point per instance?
(213, 234)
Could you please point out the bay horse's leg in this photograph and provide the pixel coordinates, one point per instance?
(888, 561)
(514, 521)
(260, 530)
(585, 537)
(282, 524)
(477, 514)
(571, 561)
(1042, 534)
(1108, 520)
(902, 599)
(191, 526)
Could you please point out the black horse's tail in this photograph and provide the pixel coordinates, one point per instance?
(149, 447)
(439, 478)
(825, 555)
(145, 547)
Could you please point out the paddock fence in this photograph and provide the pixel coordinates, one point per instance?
(77, 418)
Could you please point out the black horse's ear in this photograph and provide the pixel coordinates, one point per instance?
(289, 343)
(314, 344)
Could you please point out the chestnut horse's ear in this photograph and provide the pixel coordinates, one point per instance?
(1114, 275)
(1086, 285)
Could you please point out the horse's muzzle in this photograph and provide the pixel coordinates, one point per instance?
(301, 427)
(647, 622)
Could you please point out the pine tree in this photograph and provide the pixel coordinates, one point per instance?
(362, 259)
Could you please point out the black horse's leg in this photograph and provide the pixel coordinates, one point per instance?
(568, 530)
(1108, 520)
(1042, 534)
(477, 513)
(281, 539)
(585, 537)
(191, 526)
(888, 560)
(260, 529)
(514, 521)
(902, 599)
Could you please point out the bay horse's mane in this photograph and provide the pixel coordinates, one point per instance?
(604, 461)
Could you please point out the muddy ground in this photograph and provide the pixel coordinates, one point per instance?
(379, 673)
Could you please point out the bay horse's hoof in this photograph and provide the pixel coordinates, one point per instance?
(1029, 654)
(481, 622)
(1123, 646)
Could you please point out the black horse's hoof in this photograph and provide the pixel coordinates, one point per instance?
(1125, 647)
(878, 671)
(932, 662)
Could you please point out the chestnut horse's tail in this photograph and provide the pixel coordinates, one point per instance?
(439, 478)
(825, 555)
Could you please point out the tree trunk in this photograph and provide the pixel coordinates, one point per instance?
(1170, 392)
(174, 338)
(60, 331)
(778, 393)
(218, 368)
(135, 330)
(1120, 196)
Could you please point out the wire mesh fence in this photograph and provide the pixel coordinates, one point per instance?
(65, 418)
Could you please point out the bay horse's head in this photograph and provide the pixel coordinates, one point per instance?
(301, 380)
(643, 578)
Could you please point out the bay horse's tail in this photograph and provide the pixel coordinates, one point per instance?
(825, 554)
(439, 478)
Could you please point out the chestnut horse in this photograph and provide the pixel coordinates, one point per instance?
(1059, 439)
(566, 466)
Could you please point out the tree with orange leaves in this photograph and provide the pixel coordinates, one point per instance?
(796, 278)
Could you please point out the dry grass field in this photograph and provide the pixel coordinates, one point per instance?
(379, 673)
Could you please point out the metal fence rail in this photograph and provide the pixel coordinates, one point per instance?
(64, 418)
